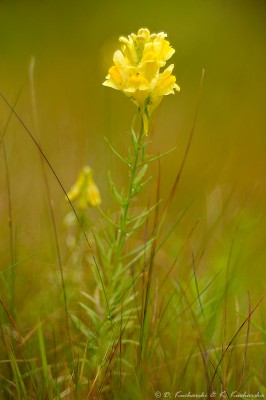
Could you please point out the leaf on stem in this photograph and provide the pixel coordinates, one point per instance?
(116, 153)
(117, 196)
(139, 177)
(154, 158)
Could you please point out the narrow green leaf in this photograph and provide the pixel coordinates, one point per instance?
(142, 215)
(18, 378)
(116, 153)
(43, 354)
(154, 158)
(140, 249)
(140, 175)
(94, 317)
(117, 196)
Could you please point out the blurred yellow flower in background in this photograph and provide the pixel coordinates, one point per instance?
(84, 190)
(136, 71)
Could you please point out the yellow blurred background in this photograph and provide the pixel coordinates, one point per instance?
(73, 44)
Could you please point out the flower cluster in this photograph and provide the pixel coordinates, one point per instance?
(84, 190)
(136, 70)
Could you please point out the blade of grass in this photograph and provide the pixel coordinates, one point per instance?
(181, 168)
(234, 337)
(178, 255)
(146, 285)
(17, 377)
(10, 211)
(246, 346)
(45, 367)
(13, 323)
(20, 386)
(19, 262)
(197, 287)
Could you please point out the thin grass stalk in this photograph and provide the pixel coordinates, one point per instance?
(234, 337)
(147, 280)
(11, 234)
(10, 212)
(246, 347)
(50, 202)
(181, 168)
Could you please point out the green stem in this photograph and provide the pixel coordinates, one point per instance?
(122, 224)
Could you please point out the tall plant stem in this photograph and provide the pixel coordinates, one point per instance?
(123, 221)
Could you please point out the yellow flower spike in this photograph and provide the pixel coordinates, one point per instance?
(136, 71)
(84, 190)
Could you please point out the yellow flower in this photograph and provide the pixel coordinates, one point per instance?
(136, 71)
(84, 191)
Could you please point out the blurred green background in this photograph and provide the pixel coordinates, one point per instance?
(73, 44)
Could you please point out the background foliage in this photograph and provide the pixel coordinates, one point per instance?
(73, 44)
